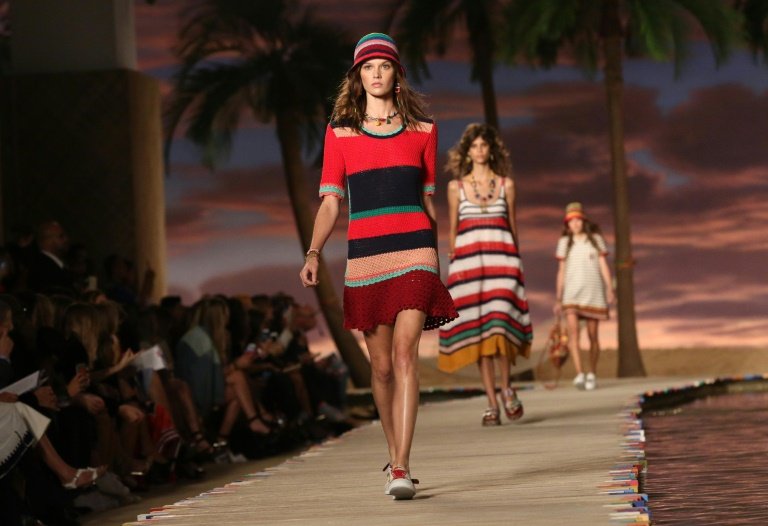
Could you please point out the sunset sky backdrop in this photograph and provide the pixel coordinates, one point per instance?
(697, 155)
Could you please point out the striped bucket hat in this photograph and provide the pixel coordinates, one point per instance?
(377, 45)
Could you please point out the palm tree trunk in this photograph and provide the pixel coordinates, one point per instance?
(630, 362)
(290, 148)
(481, 40)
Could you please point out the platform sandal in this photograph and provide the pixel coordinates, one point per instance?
(513, 407)
(491, 417)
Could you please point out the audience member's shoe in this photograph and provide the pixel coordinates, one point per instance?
(578, 382)
(85, 477)
(513, 407)
(331, 413)
(491, 417)
(189, 470)
(110, 484)
(236, 458)
(591, 382)
(402, 485)
(95, 500)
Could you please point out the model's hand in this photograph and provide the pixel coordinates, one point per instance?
(308, 273)
(610, 296)
(557, 309)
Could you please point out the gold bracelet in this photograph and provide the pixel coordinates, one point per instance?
(312, 252)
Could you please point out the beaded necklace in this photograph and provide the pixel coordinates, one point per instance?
(381, 120)
(482, 198)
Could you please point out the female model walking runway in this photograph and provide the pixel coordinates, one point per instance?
(381, 145)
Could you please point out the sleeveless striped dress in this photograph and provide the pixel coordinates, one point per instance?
(487, 285)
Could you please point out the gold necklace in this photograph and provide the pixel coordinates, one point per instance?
(484, 200)
(381, 120)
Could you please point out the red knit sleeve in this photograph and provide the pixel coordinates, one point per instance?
(430, 162)
(332, 180)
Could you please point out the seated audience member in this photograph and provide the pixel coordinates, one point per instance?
(122, 283)
(202, 361)
(172, 392)
(326, 379)
(47, 272)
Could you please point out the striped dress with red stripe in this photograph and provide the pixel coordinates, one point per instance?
(486, 281)
(392, 260)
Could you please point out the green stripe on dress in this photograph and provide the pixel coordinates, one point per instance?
(388, 275)
(325, 188)
(385, 211)
(477, 331)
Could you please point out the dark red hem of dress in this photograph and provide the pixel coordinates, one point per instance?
(367, 307)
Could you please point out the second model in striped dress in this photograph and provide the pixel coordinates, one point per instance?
(392, 260)
(487, 285)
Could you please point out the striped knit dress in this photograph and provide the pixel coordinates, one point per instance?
(583, 286)
(487, 284)
(392, 262)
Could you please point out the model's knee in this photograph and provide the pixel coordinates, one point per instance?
(404, 359)
(382, 373)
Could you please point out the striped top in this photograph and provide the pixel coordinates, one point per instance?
(385, 177)
(583, 286)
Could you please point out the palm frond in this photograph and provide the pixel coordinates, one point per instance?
(425, 26)
(265, 56)
(721, 23)
(537, 30)
(755, 20)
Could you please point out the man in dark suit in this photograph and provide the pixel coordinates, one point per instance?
(46, 267)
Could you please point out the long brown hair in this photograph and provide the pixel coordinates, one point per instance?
(589, 228)
(350, 105)
(459, 164)
(80, 322)
(212, 314)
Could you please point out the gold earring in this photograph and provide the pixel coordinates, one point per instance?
(468, 159)
(492, 157)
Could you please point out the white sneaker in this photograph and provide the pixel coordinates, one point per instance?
(401, 487)
(388, 469)
(578, 382)
(591, 382)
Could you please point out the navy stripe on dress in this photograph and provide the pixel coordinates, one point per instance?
(373, 246)
(391, 186)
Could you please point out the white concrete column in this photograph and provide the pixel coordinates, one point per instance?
(72, 35)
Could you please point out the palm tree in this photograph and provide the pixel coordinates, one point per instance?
(755, 25)
(422, 24)
(276, 60)
(600, 33)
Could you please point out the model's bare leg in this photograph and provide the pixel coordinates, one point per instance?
(594, 344)
(64, 471)
(504, 364)
(379, 343)
(405, 402)
(572, 321)
(489, 380)
(231, 412)
(237, 381)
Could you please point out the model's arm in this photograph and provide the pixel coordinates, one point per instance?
(453, 216)
(324, 223)
(559, 288)
(605, 272)
(509, 187)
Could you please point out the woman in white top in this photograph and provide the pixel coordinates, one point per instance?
(584, 287)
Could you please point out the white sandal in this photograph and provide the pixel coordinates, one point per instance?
(72, 484)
